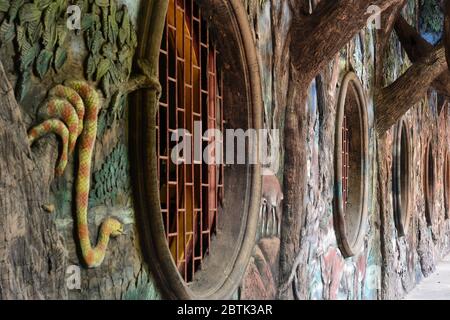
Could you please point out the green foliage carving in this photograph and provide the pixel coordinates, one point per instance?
(112, 180)
(39, 31)
(115, 112)
(111, 39)
(36, 26)
(143, 289)
(4, 5)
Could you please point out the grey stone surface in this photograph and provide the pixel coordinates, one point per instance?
(436, 286)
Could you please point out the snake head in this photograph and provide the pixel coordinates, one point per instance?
(115, 227)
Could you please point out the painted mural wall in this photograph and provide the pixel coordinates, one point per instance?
(388, 266)
(320, 270)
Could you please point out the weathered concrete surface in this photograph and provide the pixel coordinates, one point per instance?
(436, 286)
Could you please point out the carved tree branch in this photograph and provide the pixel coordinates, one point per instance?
(393, 101)
(416, 47)
(317, 37)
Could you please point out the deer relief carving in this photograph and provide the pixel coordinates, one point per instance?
(270, 211)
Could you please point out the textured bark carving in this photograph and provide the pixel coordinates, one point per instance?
(416, 47)
(393, 101)
(32, 257)
(317, 37)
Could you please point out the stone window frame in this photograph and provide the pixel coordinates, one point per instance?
(402, 169)
(429, 185)
(234, 244)
(351, 243)
(446, 185)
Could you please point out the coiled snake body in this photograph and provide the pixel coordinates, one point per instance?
(73, 111)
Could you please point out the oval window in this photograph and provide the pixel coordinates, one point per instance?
(429, 182)
(351, 166)
(401, 178)
(447, 185)
(197, 217)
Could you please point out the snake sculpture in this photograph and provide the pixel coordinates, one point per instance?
(72, 110)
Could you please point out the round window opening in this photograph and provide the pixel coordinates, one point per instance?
(429, 183)
(401, 178)
(197, 217)
(351, 166)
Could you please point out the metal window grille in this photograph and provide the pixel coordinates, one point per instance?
(191, 194)
(345, 161)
